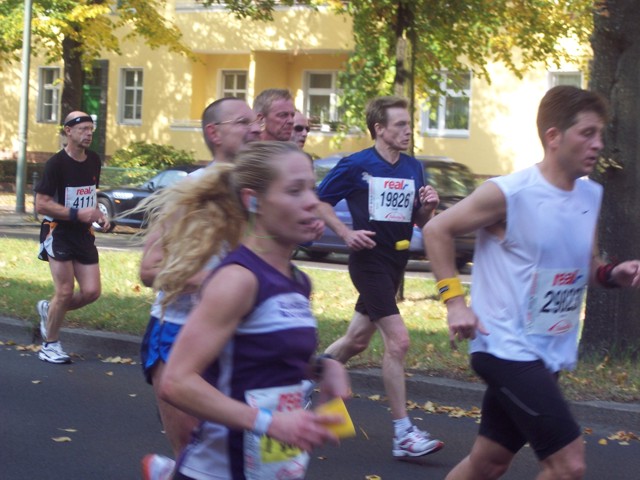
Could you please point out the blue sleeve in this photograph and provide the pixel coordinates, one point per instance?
(338, 184)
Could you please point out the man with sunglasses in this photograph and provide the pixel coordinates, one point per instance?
(66, 196)
(300, 129)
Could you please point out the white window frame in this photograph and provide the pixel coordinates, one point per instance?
(49, 91)
(235, 91)
(138, 96)
(573, 78)
(441, 130)
(332, 92)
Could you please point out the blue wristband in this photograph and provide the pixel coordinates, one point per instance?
(262, 422)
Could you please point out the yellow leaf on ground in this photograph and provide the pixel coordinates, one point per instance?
(109, 373)
(373, 477)
(602, 441)
(375, 398)
(61, 439)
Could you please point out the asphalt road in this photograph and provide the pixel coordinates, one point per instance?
(94, 421)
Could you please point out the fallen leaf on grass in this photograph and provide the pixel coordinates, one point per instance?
(61, 439)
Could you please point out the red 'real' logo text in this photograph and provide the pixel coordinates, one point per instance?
(568, 278)
(83, 191)
(395, 184)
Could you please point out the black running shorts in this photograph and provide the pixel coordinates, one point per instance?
(64, 243)
(377, 279)
(523, 403)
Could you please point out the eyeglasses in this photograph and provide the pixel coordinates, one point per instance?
(245, 122)
(299, 128)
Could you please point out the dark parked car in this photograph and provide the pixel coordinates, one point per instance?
(453, 181)
(115, 201)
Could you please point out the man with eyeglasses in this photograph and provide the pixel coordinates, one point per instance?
(227, 125)
(386, 193)
(66, 196)
(300, 129)
(274, 107)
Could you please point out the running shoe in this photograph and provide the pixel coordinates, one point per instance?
(415, 443)
(157, 467)
(43, 310)
(52, 352)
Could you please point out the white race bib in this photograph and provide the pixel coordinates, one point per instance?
(264, 457)
(80, 197)
(391, 199)
(555, 301)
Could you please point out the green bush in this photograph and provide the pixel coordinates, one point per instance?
(150, 155)
(8, 171)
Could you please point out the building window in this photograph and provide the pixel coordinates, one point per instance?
(49, 86)
(131, 96)
(321, 100)
(573, 79)
(447, 112)
(234, 84)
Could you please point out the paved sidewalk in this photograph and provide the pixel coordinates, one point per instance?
(421, 388)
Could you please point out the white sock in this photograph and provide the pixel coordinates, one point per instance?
(401, 426)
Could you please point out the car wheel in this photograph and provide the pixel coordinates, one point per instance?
(105, 208)
(314, 255)
(461, 262)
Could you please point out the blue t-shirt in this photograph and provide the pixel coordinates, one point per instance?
(349, 180)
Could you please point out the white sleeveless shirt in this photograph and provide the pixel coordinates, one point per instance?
(528, 287)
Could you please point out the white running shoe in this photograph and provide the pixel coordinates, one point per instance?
(157, 467)
(43, 310)
(415, 443)
(52, 352)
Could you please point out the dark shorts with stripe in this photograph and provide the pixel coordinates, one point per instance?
(523, 403)
(377, 279)
(65, 243)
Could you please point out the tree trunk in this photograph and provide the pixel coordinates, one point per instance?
(613, 316)
(73, 77)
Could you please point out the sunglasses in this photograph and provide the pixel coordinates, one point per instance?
(299, 128)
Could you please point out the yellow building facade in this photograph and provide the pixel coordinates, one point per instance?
(157, 96)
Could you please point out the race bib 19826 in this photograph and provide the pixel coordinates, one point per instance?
(391, 199)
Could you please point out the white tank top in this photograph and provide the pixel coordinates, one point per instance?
(527, 288)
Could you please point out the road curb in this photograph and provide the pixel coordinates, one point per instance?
(365, 381)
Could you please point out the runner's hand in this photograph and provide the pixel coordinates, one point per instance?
(463, 323)
(359, 239)
(627, 274)
(303, 428)
(429, 198)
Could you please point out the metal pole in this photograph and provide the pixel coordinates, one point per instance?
(21, 170)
